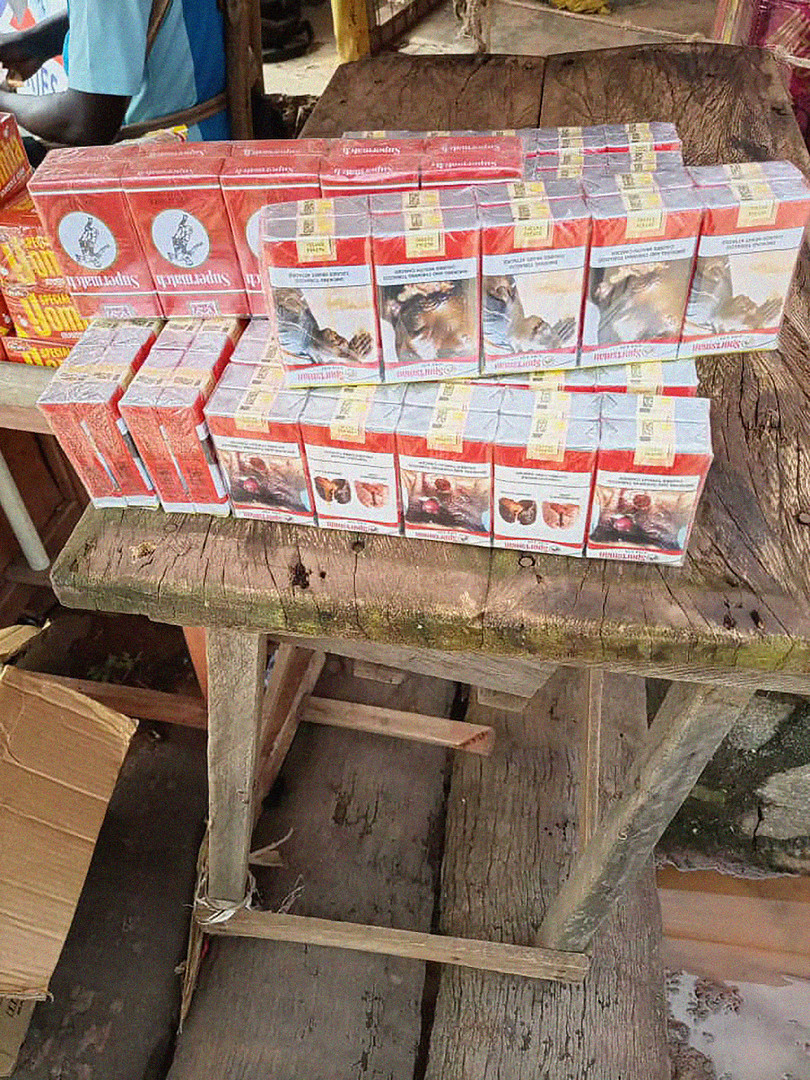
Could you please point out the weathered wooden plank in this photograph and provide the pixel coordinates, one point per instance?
(590, 810)
(20, 386)
(528, 962)
(265, 1009)
(454, 734)
(511, 832)
(138, 702)
(426, 93)
(687, 729)
(236, 662)
(365, 669)
(350, 20)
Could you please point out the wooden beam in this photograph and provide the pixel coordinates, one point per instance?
(20, 386)
(590, 780)
(499, 699)
(350, 19)
(474, 738)
(365, 669)
(533, 963)
(137, 702)
(195, 643)
(236, 664)
(689, 727)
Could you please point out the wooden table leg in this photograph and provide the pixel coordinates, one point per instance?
(236, 666)
(195, 643)
(687, 730)
(590, 780)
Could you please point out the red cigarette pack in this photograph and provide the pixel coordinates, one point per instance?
(654, 454)
(656, 135)
(283, 147)
(181, 219)
(458, 168)
(248, 185)
(367, 173)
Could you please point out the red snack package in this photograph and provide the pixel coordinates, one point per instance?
(533, 261)
(254, 424)
(444, 452)
(320, 295)
(427, 273)
(15, 171)
(248, 185)
(6, 322)
(180, 216)
(654, 455)
(544, 462)
(22, 350)
(348, 437)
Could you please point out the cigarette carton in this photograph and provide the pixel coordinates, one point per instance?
(347, 206)
(568, 380)
(381, 135)
(644, 159)
(22, 350)
(424, 199)
(720, 175)
(384, 148)
(587, 140)
(248, 185)
(619, 138)
(87, 220)
(618, 183)
(653, 458)
(533, 260)
(544, 463)
(426, 268)
(255, 428)
(552, 188)
(752, 232)
(320, 295)
(15, 171)
(458, 168)
(445, 465)
(567, 165)
(479, 395)
(257, 345)
(180, 216)
(283, 147)
(366, 173)
(477, 143)
(673, 378)
(350, 449)
(642, 253)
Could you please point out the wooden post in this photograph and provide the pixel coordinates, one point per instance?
(236, 664)
(689, 727)
(195, 643)
(240, 65)
(350, 18)
(590, 780)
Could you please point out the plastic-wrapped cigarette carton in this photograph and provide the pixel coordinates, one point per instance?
(258, 346)
(544, 463)
(248, 185)
(588, 140)
(654, 454)
(568, 380)
(81, 203)
(552, 188)
(380, 135)
(427, 274)
(366, 173)
(618, 183)
(424, 199)
(445, 465)
(740, 171)
(180, 216)
(672, 378)
(459, 168)
(644, 159)
(15, 171)
(567, 165)
(752, 232)
(533, 262)
(317, 271)
(477, 143)
(347, 206)
(254, 424)
(642, 254)
(657, 135)
(349, 443)
(282, 147)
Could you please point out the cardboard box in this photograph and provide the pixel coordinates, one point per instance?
(181, 220)
(654, 454)
(61, 757)
(427, 274)
(254, 425)
(752, 233)
(534, 256)
(320, 294)
(544, 463)
(350, 449)
(445, 465)
(642, 254)
(248, 185)
(673, 378)
(86, 218)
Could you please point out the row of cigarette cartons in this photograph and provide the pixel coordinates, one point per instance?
(608, 475)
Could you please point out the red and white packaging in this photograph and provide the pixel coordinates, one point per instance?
(355, 135)
(6, 322)
(254, 425)
(567, 165)
(570, 381)
(180, 216)
(15, 170)
(617, 184)
(424, 199)
(248, 185)
(553, 188)
(351, 456)
(81, 203)
(367, 173)
(426, 265)
(499, 160)
(544, 463)
(752, 232)
(642, 254)
(673, 378)
(282, 147)
(644, 159)
(586, 140)
(317, 270)
(740, 171)
(258, 345)
(534, 255)
(654, 454)
(21, 350)
(445, 464)
(656, 135)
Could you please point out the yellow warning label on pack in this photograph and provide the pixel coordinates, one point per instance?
(420, 200)
(757, 203)
(549, 428)
(647, 378)
(655, 443)
(348, 423)
(639, 133)
(645, 213)
(635, 181)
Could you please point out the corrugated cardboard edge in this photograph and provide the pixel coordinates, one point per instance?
(15, 1016)
(15, 639)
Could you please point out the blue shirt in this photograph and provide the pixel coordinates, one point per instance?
(105, 53)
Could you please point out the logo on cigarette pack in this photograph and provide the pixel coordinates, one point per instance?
(87, 240)
(180, 238)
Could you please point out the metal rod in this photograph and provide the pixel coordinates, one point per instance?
(20, 521)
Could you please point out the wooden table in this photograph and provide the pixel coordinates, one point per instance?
(734, 619)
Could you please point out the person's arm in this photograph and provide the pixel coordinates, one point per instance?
(71, 117)
(25, 51)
